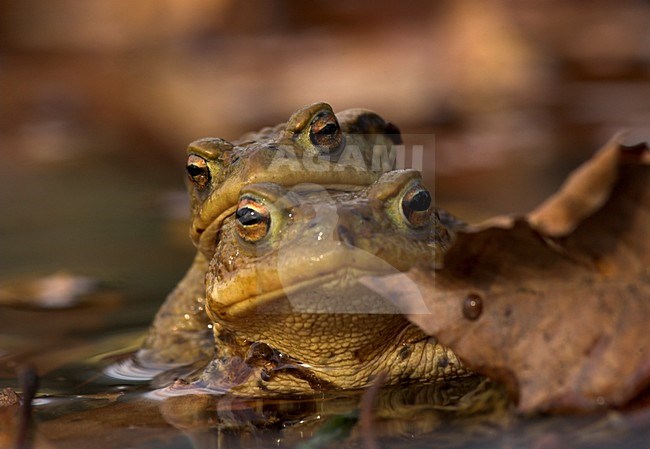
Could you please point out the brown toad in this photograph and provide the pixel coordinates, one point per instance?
(285, 288)
(342, 152)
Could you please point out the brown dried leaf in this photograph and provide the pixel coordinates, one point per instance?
(564, 321)
(586, 189)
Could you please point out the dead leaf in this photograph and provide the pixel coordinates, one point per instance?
(9, 417)
(556, 307)
(57, 291)
(586, 189)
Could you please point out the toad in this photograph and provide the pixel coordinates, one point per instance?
(341, 152)
(285, 288)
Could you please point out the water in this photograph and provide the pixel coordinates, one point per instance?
(72, 411)
(107, 233)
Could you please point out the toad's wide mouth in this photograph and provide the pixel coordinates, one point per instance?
(349, 289)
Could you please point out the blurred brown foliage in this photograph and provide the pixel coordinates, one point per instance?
(498, 81)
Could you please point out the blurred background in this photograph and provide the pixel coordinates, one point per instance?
(99, 98)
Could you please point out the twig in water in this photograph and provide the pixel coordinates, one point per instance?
(29, 386)
(366, 412)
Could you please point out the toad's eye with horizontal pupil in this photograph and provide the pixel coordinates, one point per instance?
(198, 171)
(416, 206)
(253, 220)
(325, 132)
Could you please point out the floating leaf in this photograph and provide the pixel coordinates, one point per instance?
(555, 305)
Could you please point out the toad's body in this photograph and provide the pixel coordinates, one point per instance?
(276, 300)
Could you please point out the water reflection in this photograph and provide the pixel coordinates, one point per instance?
(469, 412)
(120, 416)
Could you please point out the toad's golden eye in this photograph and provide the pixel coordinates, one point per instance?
(416, 206)
(325, 132)
(253, 220)
(198, 171)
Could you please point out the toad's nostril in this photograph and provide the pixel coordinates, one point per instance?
(345, 235)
